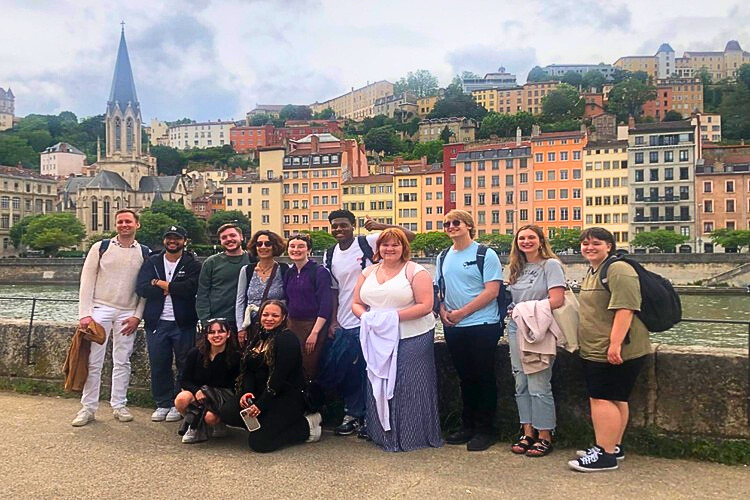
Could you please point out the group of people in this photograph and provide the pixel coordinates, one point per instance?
(361, 324)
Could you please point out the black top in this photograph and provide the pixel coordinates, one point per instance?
(217, 374)
(286, 374)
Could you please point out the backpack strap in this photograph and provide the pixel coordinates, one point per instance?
(145, 251)
(604, 269)
(367, 253)
(249, 270)
(410, 271)
(328, 258)
(103, 246)
(440, 274)
(481, 253)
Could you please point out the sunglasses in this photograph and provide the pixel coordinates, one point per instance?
(449, 223)
(211, 320)
(267, 244)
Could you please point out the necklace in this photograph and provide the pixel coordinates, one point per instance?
(264, 270)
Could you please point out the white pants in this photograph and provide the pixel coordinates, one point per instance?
(122, 347)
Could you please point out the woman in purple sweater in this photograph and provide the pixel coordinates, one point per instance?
(309, 300)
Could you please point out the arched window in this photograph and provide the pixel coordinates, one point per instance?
(118, 135)
(129, 135)
(94, 215)
(106, 210)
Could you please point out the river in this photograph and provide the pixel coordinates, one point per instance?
(694, 306)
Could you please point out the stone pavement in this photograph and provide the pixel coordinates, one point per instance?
(43, 456)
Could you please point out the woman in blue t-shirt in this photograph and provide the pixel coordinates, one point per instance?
(535, 273)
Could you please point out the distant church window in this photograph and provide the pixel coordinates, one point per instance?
(94, 215)
(129, 132)
(106, 214)
(118, 135)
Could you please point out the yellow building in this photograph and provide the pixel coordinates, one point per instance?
(372, 196)
(419, 197)
(687, 95)
(710, 124)
(526, 98)
(605, 187)
(425, 105)
(259, 196)
(720, 65)
(357, 104)
(647, 64)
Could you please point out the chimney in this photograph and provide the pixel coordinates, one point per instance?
(518, 136)
(536, 131)
(314, 144)
(423, 161)
(631, 122)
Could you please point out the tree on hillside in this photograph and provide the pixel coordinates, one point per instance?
(181, 121)
(15, 150)
(565, 239)
(593, 79)
(433, 150)
(672, 116)
(469, 75)
(572, 78)
(169, 161)
(382, 140)
(52, 231)
(537, 74)
(446, 134)
(731, 238)
(421, 82)
(743, 74)
(457, 104)
(735, 112)
(225, 217)
(292, 112)
(260, 120)
(321, 240)
(500, 243)
(152, 228)
(430, 243)
(563, 102)
(627, 98)
(326, 114)
(641, 76)
(665, 241)
(504, 125)
(195, 227)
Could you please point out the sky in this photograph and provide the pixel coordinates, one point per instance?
(217, 59)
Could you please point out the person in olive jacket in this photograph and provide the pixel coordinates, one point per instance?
(168, 280)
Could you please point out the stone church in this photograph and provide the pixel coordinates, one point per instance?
(125, 176)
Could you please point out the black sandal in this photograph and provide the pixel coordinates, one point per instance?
(541, 448)
(522, 445)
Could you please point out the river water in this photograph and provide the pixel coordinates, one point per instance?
(735, 307)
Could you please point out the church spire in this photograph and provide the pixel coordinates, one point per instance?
(123, 85)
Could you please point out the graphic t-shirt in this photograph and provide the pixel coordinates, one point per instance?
(536, 279)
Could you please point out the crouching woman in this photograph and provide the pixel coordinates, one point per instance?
(271, 384)
(211, 367)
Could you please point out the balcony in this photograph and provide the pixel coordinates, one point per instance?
(676, 218)
(659, 199)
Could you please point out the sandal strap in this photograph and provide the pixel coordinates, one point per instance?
(541, 445)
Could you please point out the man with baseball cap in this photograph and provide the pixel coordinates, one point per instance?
(168, 280)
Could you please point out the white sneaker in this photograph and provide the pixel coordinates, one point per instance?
(193, 436)
(160, 415)
(83, 417)
(173, 415)
(314, 420)
(219, 430)
(122, 414)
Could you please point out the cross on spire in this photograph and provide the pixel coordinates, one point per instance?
(122, 23)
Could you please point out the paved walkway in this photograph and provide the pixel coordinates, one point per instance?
(43, 456)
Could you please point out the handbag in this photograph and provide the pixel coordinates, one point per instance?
(566, 317)
(251, 311)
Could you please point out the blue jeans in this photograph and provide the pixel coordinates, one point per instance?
(343, 369)
(536, 404)
(166, 344)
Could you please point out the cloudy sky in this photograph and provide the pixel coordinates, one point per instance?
(215, 59)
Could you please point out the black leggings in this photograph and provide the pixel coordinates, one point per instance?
(282, 422)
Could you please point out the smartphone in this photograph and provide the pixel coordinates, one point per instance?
(251, 423)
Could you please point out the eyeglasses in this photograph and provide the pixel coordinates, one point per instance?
(267, 244)
(449, 223)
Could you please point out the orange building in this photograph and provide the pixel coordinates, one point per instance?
(419, 197)
(245, 139)
(558, 180)
(493, 183)
(594, 104)
(657, 108)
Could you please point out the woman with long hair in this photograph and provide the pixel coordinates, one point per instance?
(259, 281)
(613, 347)
(393, 299)
(270, 385)
(535, 274)
(211, 366)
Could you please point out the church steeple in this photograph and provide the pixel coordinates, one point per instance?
(123, 85)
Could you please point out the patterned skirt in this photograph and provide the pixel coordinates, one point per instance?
(414, 418)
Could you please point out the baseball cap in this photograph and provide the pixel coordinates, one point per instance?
(175, 230)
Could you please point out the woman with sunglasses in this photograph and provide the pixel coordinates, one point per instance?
(270, 386)
(213, 362)
(261, 280)
(535, 273)
(310, 301)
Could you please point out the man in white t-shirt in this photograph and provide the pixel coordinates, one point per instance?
(345, 370)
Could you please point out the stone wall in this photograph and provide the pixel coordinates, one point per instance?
(685, 390)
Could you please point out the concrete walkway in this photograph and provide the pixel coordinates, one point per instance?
(42, 456)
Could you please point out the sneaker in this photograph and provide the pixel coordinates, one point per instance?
(313, 420)
(219, 430)
(480, 442)
(349, 426)
(173, 415)
(122, 414)
(619, 451)
(461, 436)
(195, 436)
(596, 461)
(362, 433)
(160, 415)
(83, 417)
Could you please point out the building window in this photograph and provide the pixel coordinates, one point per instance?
(684, 154)
(653, 157)
(539, 214)
(639, 158)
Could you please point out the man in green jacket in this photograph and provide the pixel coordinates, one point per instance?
(217, 284)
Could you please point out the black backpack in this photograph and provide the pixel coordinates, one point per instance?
(661, 308)
(146, 251)
(503, 297)
(367, 254)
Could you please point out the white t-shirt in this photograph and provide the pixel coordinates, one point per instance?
(346, 266)
(167, 312)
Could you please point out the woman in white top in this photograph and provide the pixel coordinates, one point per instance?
(396, 284)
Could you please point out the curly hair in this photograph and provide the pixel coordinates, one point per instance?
(279, 245)
(268, 350)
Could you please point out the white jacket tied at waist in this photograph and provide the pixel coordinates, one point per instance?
(379, 339)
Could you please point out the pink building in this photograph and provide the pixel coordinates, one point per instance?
(61, 160)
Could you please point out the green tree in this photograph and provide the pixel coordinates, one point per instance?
(421, 82)
(446, 134)
(500, 243)
(15, 150)
(735, 112)
(90, 240)
(321, 240)
(430, 243)
(293, 112)
(152, 229)
(260, 120)
(731, 238)
(52, 231)
(499, 124)
(226, 216)
(181, 121)
(743, 74)
(537, 74)
(433, 150)
(383, 140)
(563, 102)
(593, 79)
(663, 240)
(19, 229)
(458, 104)
(627, 98)
(326, 114)
(672, 116)
(469, 75)
(572, 78)
(195, 227)
(565, 239)
(169, 161)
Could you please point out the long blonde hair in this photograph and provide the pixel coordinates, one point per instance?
(518, 257)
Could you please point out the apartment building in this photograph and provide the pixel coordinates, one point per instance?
(710, 125)
(371, 196)
(357, 104)
(558, 70)
(401, 106)
(720, 64)
(23, 192)
(497, 80)
(200, 135)
(425, 105)
(605, 187)
(246, 138)
(61, 160)
(419, 197)
(527, 97)
(647, 64)
(461, 129)
(493, 183)
(661, 161)
(557, 182)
